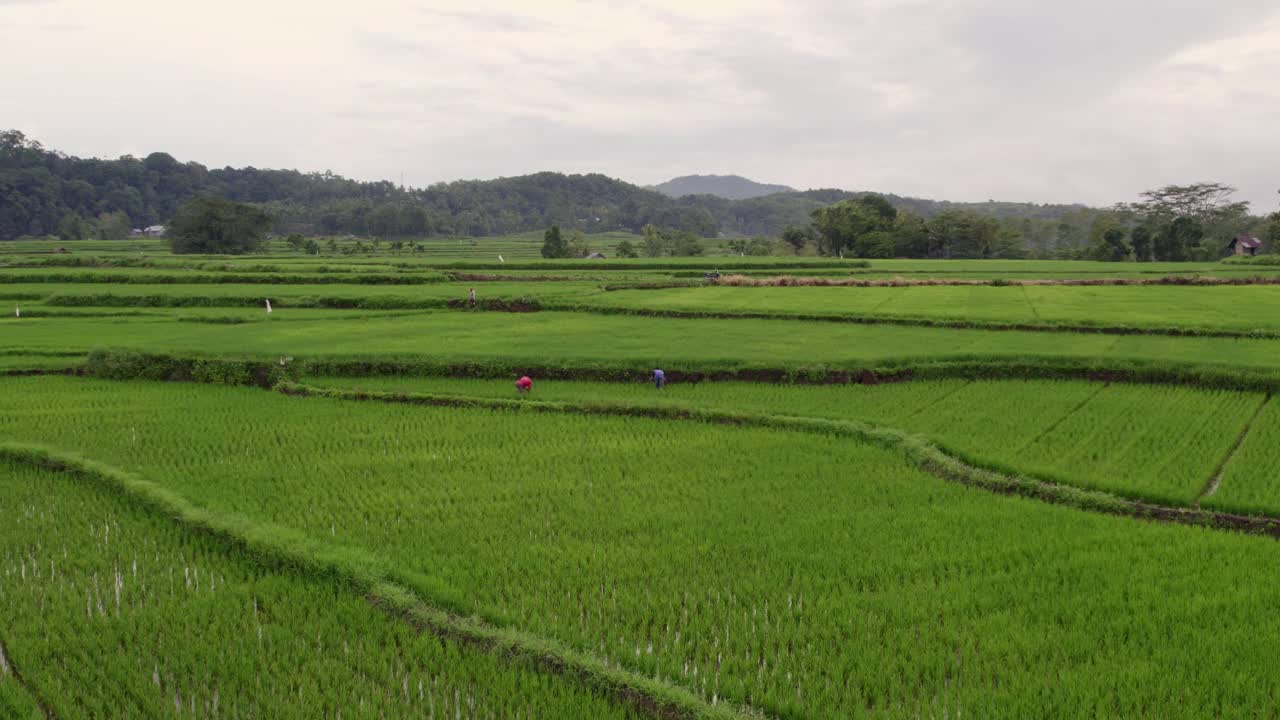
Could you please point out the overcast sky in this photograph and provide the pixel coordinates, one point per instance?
(1089, 100)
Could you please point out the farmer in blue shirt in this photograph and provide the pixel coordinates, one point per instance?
(659, 378)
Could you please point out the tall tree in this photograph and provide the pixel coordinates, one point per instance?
(1272, 233)
(910, 236)
(966, 234)
(625, 249)
(839, 226)
(578, 245)
(682, 243)
(653, 242)
(878, 244)
(1140, 236)
(1200, 201)
(797, 237)
(1176, 241)
(553, 245)
(113, 225)
(216, 226)
(1185, 214)
(1117, 248)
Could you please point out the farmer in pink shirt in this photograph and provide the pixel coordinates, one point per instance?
(524, 385)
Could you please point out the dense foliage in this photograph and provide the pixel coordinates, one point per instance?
(43, 192)
(213, 226)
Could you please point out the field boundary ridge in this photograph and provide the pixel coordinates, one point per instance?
(425, 602)
(921, 451)
(901, 320)
(524, 304)
(124, 364)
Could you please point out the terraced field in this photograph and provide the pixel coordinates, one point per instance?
(141, 616)
(1158, 443)
(342, 509)
(550, 339)
(1164, 307)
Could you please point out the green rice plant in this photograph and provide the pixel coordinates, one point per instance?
(802, 573)
(1250, 481)
(15, 700)
(111, 611)
(1156, 443)
(134, 277)
(1190, 310)
(585, 340)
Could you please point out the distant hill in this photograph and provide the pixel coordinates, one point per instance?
(730, 187)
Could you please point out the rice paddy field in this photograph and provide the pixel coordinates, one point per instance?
(300, 486)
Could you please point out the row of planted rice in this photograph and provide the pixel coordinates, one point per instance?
(803, 574)
(1160, 443)
(108, 610)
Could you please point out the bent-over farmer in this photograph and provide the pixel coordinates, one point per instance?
(659, 378)
(524, 385)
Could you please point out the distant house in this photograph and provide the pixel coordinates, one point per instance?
(594, 256)
(1245, 245)
(154, 231)
(137, 232)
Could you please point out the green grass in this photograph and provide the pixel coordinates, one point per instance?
(805, 574)
(109, 610)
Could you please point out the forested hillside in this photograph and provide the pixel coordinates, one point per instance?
(47, 193)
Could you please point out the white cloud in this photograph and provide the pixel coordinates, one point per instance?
(1093, 101)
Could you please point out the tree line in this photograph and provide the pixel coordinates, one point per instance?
(47, 193)
(1173, 223)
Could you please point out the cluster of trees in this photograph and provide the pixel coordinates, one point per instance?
(1173, 223)
(654, 242)
(555, 245)
(216, 226)
(43, 192)
(870, 226)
